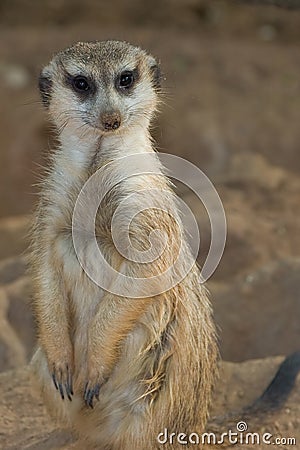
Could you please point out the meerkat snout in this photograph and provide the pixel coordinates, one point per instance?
(111, 120)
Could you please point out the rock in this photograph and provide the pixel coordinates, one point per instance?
(17, 331)
(258, 314)
(14, 75)
(13, 239)
(12, 269)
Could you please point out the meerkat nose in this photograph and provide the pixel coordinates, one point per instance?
(110, 121)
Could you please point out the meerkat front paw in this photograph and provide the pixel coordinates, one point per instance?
(62, 376)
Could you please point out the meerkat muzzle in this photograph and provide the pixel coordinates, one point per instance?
(110, 121)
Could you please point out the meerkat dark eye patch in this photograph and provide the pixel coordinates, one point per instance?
(126, 80)
(80, 84)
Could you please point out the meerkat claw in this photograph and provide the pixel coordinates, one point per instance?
(68, 392)
(69, 384)
(63, 383)
(97, 391)
(61, 390)
(54, 381)
(88, 398)
(89, 394)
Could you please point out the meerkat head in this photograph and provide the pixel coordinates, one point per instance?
(104, 86)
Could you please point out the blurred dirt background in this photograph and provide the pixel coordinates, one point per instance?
(231, 106)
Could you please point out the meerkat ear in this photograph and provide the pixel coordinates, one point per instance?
(156, 73)
(45, 86)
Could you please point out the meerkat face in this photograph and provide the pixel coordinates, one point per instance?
(103, 86)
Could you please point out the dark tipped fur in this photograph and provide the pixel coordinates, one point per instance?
(45, 86)
(157, 76)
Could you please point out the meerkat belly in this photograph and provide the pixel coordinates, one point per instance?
(84, 301)
(84, 295)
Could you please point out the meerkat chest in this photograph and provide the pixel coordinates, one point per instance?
(66, 257)
(59, 229)
(83, 293)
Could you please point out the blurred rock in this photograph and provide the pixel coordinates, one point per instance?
(13, 75)
(12, 351)
(258, 315)
(12, 268)
(267, 32)
(13, 239)
(19, 314)
(17, 331)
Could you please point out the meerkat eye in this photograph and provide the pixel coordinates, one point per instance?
(126, 79)
(81, 84)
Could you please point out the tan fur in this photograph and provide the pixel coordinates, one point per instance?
(155, 357)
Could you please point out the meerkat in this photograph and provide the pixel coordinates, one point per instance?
(117, 370)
